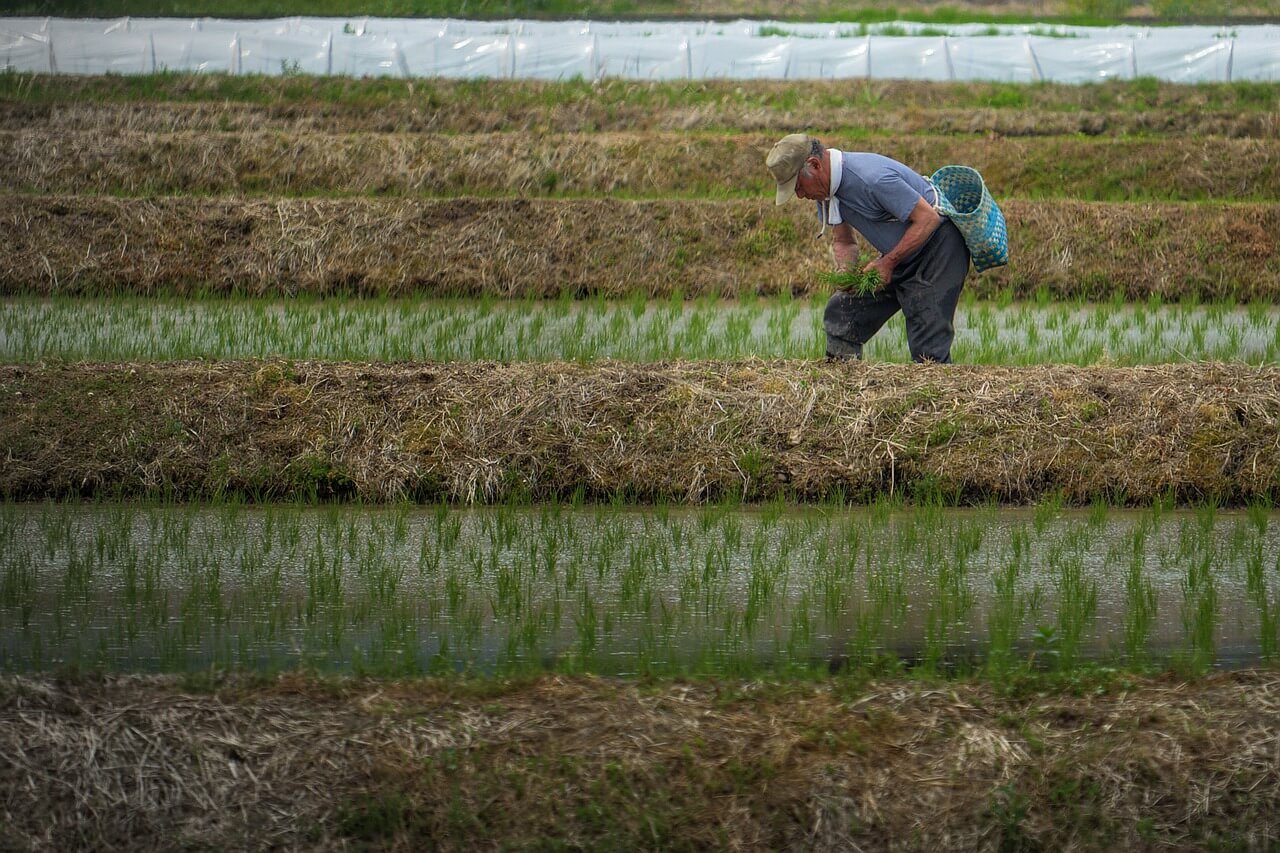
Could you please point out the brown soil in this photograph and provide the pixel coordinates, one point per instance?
(680, 431)
(648, 163)
(151, 763)
(547, 247)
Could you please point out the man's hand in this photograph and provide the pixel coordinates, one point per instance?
(924, 220)
(884, 266)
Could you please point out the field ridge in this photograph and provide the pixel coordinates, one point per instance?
(845, 121)
(151, 762)
(515, 247)
(652, 164)
(680, 431)
(375, 94)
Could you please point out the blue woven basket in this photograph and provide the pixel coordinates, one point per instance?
(963, 198)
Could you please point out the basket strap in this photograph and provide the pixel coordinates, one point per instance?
(937, 196)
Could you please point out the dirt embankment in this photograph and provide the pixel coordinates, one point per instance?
(146, 763)
(832, 121)
(72, 245)
(216, 103)
(682, 431)
(640, 163)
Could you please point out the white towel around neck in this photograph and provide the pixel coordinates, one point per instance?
(831, 216)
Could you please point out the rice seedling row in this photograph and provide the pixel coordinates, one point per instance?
(999, 333)
(614, 590)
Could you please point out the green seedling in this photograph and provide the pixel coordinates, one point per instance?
(458, 329)
(614, 589)
(856, 280)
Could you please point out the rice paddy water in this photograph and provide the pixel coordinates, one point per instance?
(619, 590)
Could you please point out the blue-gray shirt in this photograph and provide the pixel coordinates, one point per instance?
(876, 196)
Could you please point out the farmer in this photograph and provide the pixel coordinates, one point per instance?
(923, 258)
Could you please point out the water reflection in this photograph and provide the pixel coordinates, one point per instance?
(625, 590)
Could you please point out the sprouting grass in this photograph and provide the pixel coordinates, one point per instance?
(998, 332)
(611, 589)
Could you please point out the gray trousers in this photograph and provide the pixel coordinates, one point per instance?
(926, 289)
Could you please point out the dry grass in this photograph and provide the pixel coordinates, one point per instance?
(143, 762)
(647, 163)
(367, 95)
(515, 247)
(681, 431)
(210, 103)
(170, 117)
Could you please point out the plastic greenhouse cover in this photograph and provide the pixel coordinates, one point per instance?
(659, 50)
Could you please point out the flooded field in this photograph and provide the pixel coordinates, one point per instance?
(987, 332)
(619, 590)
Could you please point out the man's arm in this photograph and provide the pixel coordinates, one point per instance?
(921, 224)
(844, 245)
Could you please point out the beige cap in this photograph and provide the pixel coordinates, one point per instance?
(785, 161)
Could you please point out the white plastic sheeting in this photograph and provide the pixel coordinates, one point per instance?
(637, 50)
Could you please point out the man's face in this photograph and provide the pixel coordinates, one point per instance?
(817, 185)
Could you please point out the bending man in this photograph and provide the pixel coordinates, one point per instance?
(923, 258)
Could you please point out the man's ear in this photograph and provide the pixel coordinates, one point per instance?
(814, 162)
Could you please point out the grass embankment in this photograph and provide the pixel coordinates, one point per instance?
(530, 247)
(1116, 763)
(681, 432)
(291, 137)
(839, 108)
(633, 164)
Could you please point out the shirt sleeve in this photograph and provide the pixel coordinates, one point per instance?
(895, 195)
